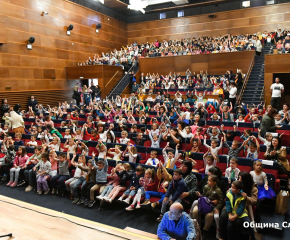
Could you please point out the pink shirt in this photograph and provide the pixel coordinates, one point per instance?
(20, 161)
(53, 164)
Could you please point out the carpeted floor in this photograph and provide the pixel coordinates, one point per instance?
(113, 215)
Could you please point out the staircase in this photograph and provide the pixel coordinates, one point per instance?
(254, 90)
(123, 83)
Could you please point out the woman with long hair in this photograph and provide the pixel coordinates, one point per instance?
(77, 95)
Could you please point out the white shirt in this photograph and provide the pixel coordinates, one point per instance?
(233, 92)
(277, 89)
(229, 172)
(150, 162)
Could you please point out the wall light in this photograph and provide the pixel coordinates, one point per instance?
(69, 28)
(30, 41)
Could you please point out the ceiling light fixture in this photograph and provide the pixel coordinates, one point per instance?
(138, 5)
(101, 1)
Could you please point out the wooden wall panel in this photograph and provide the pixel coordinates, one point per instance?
(249, 20)
(275, 63)
(43, 67)
(214, 63)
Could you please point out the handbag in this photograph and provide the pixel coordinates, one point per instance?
(205, 205)
(282, 203)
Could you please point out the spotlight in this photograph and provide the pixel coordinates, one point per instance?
(44, 13)
(30, 41)
(98, 27)
(69, 28)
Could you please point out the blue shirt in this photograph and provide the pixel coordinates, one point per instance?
(183, 230)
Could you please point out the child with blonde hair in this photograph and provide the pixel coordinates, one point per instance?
(131, 152)
(116, 152)
(124, 139)
(71, 146)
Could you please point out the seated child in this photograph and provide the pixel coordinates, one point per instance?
(18, 141)
(101, 178)
(164, 180)
(235, 198)
(79, 176)
(33, 142)
(29, 165)
(144, 182)
(71, 146)
(213, 145)
(124, 139)
(214, 135)
(230, 134)
(125, 176)
(114, 180)
(253, 149)
(10, 155)
(131, 153)
(259, 177)
(155, 139)
(175, 189)
(170, 158)
(212, 192)
(232, 172)
(63, 173)
(195, 144)
(43, 174)
(116, 153)
(18, 163)
(138, 139)
(152, 161)
(209, 159)
(134, 185)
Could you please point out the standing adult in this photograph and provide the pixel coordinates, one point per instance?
(268, 122)
(32, 103)
(239, 79)
(276, 89)
(5, 106)
(77, 95)
(93, 87)
(86, 95)
(176, 224)
(233, 94)
(97, 91)
(17, 123)
(258, 46)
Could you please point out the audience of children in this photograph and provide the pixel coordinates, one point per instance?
(91, 177)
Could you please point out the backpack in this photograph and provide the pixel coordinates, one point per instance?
(205, 205)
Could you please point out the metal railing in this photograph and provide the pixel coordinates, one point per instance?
(246, 80)
(130, 70)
